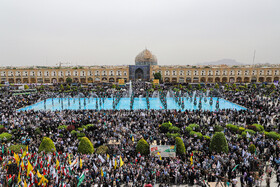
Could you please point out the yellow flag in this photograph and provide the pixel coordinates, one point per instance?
(102, 173)
(22, 165)
(69, 159)
(29, 168)
(43, 180)
(81, 163)
(23, 155)
(25, 185)
(19, 179)
(121, 162)
(132, 138)
(108, 157)
(191, 159)
(38, 174)
(16, 158)
(116, 164)
(26, 148)
(57, 164)
(159, 155)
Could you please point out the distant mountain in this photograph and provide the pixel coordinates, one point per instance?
(229, 62)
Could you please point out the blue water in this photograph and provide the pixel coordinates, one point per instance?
(139, 103)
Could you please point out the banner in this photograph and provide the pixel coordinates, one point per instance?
(164, 150)
(121, 81)
(156, 81)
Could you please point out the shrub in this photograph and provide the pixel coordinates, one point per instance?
(259, 127)
(272, 135)
(37, 131)
(81, 134)
(188, 129)
(73, 132)
(196, 134)
(143, 147)
(90, 127)
(103, 149)
(5, 136)
(80, 129)
(85, 146)
(180, 146)
(173, 135)
(252, 148)
(232, 128)
(194, 126)
(2, 126)
(218, 128)
(244, 133)
(241, 129)
(85, 127)
(16, 148)
(71, 128)
(219, 143)
(62, 127)
(174, 129)
(165, 127)
(206, 137)
(47, 145)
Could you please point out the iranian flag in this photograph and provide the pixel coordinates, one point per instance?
(81, 178)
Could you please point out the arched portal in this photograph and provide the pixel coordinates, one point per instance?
(139, 74)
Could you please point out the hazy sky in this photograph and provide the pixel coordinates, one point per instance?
(113, 32)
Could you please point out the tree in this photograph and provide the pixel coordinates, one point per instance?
(216, 86)
(26, 87)
(189, 86)
(234, 86)
(263, 85)
(114, 86)
(68, 87)
(198, 86)
(68, 80)
(180, 146)
(103, 149)
(47, 145)
(165, 127)
(219, 143)
(61, 87)
(143, 147)
(157, 76)
(85, 146)
(254, 86)
(226, 86)
(272, 86)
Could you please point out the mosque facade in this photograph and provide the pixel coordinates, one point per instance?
(146, 65)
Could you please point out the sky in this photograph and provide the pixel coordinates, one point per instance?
(113, 32)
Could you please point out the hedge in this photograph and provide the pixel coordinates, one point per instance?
(47, 145)
(252, 148)
(180, 146)
(103, 149)
(232, 128)
(218, 128)
(73, 132)
(244, 133)
(173, 135)
(85, 146)
(188, 129)
(165, 127)
(143, 147)
(194, 126)
(272, 135)
(206, 137)
(196, 134)
(259, 127)
(16, 148)
(6, 136)
(61, 127)
(219, 143)
(174, 129)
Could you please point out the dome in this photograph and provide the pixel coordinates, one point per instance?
(145, 58)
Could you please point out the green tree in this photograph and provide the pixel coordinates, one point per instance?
(68, 80)
(26, 87)
(61, 87)
(226, 86)
(180, 146)
(85, 146)
(272, 86)
(216, 86)
(114, 86)
(198, 86)
(189, 86)
(165, 127)
(68, 87)
(47, 145)
(157, 76)
(263, 85)
(219, 143)
(234, 86)
(103, 149)
(254, 86)
(143, 147)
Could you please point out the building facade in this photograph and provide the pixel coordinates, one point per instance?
(144, 69)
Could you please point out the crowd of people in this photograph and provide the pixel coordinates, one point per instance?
(120, 130)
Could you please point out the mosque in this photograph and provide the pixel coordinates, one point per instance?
(146, 65)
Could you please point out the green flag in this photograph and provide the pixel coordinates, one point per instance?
(235, 167)
(81, 178)
(3, 149)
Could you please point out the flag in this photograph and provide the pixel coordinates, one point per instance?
(69, 160)
(81, 163)
(121, 162)
(43, 180)
(94, 167)
(10, 179)
(218, 164)
(191, 159)
(3, 149)
(158, 153)
(57, 164)
(16, 158)
(248, 135)
(235, 167)
(29, 168)
(26, 148)
(81, 178)
(132, 138)
(38, 174)
(19, 179)
(101, 158)
(23, 155)
(25, 184)
(102, 174)
(116, 164)
(108, 158)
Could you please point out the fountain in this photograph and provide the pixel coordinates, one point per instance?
(130, 89)
(168, 94)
